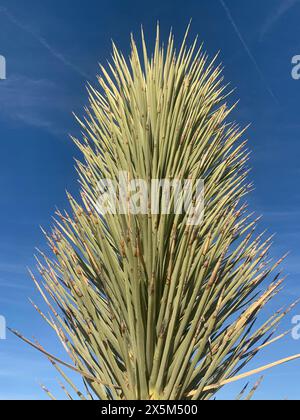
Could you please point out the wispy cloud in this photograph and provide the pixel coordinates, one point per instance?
(14, 276)
(53, 51)
(276, 15)
(14, 285)
(36, 103)
(12, 268)
(15, 302)
(284, 214)
(247, 49)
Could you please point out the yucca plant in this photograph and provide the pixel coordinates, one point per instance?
(149, 306)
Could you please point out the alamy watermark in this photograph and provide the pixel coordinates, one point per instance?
(296, 67)
(156, 197)
(2, 328)
(296, 328)
(2, 67)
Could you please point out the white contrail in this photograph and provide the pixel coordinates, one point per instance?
(283, 8)
(247, 49)
(44, 43)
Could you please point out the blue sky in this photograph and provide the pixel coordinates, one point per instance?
(51, 49)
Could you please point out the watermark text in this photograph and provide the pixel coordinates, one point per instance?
(2, 67)
(156, 197)
(2, 328)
